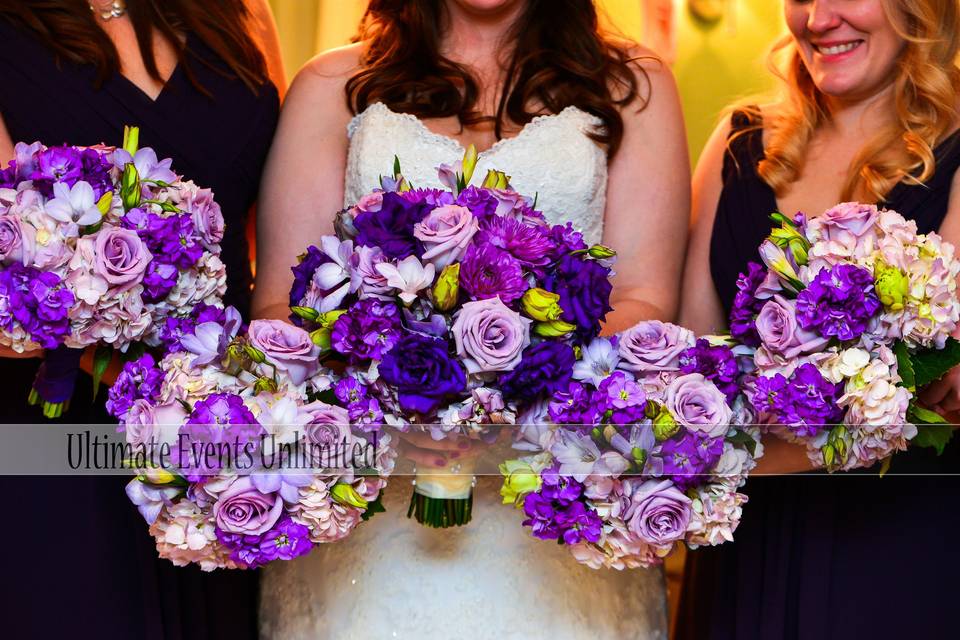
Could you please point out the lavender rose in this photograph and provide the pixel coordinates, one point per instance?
(778, 329)
(697, 404)
(241, 508)
(653, 346)
(329, 424)
(207, 217)
(490, 336)
(445, 233)
(16, 240)
(286, 346)
(659, 513)
(121, 257)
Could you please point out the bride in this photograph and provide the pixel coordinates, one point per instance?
(593, 127)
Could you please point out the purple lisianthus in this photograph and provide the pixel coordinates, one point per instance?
(716, 363)
(839, 303)
(530, 244)
(584, 288)
(431, 197)
(480, 201)
(566, 240)
(139, 379)
(489, 272)
(746, 305)
(303, 272)
(544, 369)
(422, 372)
(391, 228)
(368, 330)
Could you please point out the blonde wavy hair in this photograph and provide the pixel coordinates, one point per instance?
(926, 90)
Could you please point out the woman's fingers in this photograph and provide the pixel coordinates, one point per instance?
(425, 441)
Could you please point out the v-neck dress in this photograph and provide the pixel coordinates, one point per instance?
(79, 560)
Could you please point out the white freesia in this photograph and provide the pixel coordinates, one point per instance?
(74, 204)
(408, 276)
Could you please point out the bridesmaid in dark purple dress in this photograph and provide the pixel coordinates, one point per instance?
(203, 96)
(849, 555)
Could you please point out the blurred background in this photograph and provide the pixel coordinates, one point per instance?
(717, 48)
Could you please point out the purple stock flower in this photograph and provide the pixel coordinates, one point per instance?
(584, 288)
(840, 302)
(746, 305)
(578, 523)
(368, 330)
(159, 279)
(687, 456)
(806, 402)
(175, 328)
(222, 421)
(174, 238)
(38, 301)
(556, 511)
(566, 240)
(487, 272)
(140, 378)
(57, 164)
(285, 541)
(715, 363)
(422, 372)
(391, 228)
(575, 406)
(530, 244)
(544, 369)
(623, 398)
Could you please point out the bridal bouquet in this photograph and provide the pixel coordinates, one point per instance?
(451, 309)
(99, 246)
(640, 445)
(243, 454)
(850, 317)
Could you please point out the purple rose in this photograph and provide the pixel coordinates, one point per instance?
(778, 329)
(445, 233)
(653, 346)
(241, 508)
(659, 513)
(697, 404)
(207, 217)
(490, 336)
(121, 257)
(286, 346)
(17, 240)
(847, 224)
(329, 424)
(422, 372)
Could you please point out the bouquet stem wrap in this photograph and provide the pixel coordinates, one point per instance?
(56, 378)
(442, 500)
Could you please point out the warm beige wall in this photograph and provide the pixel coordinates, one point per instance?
(713, 65)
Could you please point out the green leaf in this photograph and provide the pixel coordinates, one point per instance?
(133, 352)
(929, 365)
(396, 167)
(933, 435)
(905, 366)
(373, 507)
(919, 415)
(101, 360)
(743, 439)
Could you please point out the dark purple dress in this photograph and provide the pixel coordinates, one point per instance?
(819, 556)
(79, 561)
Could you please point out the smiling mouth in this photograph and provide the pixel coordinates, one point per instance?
(836, 49)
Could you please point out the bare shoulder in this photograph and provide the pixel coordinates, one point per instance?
(656, 87)
(334, 64)
(320, 84)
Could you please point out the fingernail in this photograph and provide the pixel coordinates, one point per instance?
(463, 445)
(454, 454)
(440, 462)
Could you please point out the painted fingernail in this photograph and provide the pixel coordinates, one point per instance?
(463, 445)
(440, 462)
(454, 454)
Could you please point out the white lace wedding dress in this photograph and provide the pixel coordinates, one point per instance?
(393, 578)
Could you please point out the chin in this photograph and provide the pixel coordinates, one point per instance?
(487, 6)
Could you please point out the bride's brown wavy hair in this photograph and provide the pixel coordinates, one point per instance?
(560, 58)
(69, 28)
(925, 89)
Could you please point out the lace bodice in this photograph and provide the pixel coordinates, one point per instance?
(393, 578)
(551, 157)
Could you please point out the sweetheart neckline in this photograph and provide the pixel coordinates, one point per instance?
(456, 144)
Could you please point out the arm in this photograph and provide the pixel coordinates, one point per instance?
(265, 29)
(648, 197)
(700, 308)
(303, 179)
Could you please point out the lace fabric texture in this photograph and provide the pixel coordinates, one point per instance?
(393, 578)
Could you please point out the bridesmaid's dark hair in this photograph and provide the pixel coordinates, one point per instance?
(70, 29)
(561, 58)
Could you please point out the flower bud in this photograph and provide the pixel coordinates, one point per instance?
(469, 163)
(553, 329)
(130, 187)
(264, 384)
(541, 305)
(322, 337)
(307, 313)
(156, 475)
(329, 318)
(519, 479)
(346, 494)
(447, 288)
(600, 252)
(664, 426)
(496, 180)
(131, 139)
(639, 457)
(103, 204)
(891, 284)
(255, 354)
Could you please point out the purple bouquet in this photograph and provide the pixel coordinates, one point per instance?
(99, 246)
(243, 453)
(450, 309)
(643, 446)
(851, 315)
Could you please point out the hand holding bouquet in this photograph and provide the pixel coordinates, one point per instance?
(852, 314)
(243, 454)
(99, 246)
(450, 309)
(642, 446)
